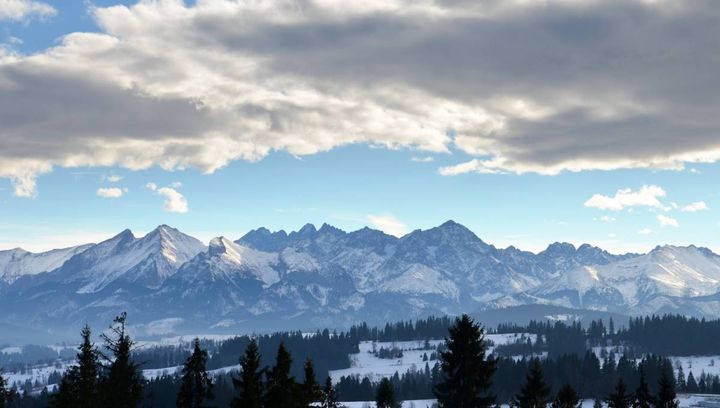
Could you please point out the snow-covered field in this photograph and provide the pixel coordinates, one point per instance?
(686, 401)
(695, 364)
(366, 364)
(406, 404)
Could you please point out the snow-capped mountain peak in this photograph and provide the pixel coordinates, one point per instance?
(146, 261)
(18, 262)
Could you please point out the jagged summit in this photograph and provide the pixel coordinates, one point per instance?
(331, 276)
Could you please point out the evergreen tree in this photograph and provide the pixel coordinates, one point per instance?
(667, 397)
(643, 398)
(597, 403)
(466, 372)
(196, 386)
(66, 395)
(535, 393)
(249, 385)
(310, 390)
(691, 386)
(619, 398)
(681, 384)
(88, 371)
(6, 395)
(329, 396)
(122, 386)
(566, 398)
(78, 387)
(281, 387)
(385, 395)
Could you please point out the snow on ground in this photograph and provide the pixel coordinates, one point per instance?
(39, 374)
(11, 350)
(698, 364)
(695, 364)
(159, 372)
(177, 341)
(406, 404)
(366, 364)
(686, 401)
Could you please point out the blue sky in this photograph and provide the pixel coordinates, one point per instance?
(332, 143)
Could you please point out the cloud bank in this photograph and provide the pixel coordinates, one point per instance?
(519, 86)
(646, 196)
(18, 10)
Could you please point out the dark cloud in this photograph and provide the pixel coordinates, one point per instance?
(526, 86)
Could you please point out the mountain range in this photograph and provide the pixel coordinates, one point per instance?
(170, 282)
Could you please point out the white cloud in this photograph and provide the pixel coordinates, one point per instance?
(667, 221)
(424, 159)
(646, 196)
(695, 207)
(112, 192)
(174, 200)
(218, 81)
(645, 231)
(112, 178)
(388, 224)
(18, 10)
(607, 218)
(472, 166)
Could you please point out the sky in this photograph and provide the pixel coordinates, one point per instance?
(528, 121)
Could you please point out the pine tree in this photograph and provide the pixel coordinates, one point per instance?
(466, 372)
(566, 398)
(66, 395)
(597, 403)
(196, 386)
(281, 387)
(643, 398)
(329, 396)
(385, 395)
(122, 386)
(310, 390)
(88, 371)
(249, 385)
(535, 393)
(691, 386)
(667, 397)
(78, 387)
(619, 398)
(6, 395)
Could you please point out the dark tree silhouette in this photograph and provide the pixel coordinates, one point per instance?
(281, 387)
(329, 396)
(466, 372)
(385, 396)
(196, 385)
(310, 390)
(249, 386)
(6, 395)
(566, 398)
(667, 397)
(123, 384)
(619, 398)
(643, 398)
(535, 393)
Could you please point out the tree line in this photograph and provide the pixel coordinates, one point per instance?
(111, 376)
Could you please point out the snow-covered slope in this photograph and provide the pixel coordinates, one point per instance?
(226, 260)
(329, 277)
(640, 284)
(15, 263)
(145, 261)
